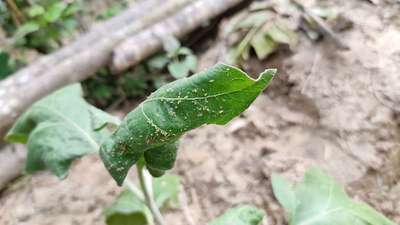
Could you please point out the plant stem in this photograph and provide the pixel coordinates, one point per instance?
(146, 184)
(132, 187)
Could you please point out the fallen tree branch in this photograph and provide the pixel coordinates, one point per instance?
(12, 161)
(129, 52)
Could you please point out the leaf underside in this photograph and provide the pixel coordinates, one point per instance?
(59, 129)
(240, 215)
(319, 200)
(214, 96)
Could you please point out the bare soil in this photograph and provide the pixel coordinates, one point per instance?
(335, 109)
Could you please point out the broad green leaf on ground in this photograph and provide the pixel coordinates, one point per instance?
(59, 129)
(214, 96)
(319, 200)
(240, 215)
(129, 209)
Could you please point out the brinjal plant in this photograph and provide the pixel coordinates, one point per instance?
(63, 127)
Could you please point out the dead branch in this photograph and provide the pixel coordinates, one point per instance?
(12, 160)
(139, 47)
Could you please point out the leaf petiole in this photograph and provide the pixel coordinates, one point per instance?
(146, 184)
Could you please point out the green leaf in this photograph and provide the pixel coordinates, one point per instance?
(35, 10)
(178, 69)
(129, 209)
(191, 62)
(26, 28)
(166, 191)
(71, 9)
(181, 68)
(171, 45)
(240, 215)
(55, 11)
(158, 61)
(284, 193)
(214, 96)
(161, 158)
(59, 129)
(185, 51)
(321, 201)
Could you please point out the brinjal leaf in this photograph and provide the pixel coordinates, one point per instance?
(60, 128)
(240, 215)
(129, 209)
(160, 159)
(214, 96)
(319, 200)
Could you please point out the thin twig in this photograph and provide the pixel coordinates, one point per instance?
(146, 184)
(16, 14)
(324, 28)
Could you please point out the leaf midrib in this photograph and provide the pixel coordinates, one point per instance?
(194, 98)
(69, 121)
(326, 211)
(151, 122)
(321, 215)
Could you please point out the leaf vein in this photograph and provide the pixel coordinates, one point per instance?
(88, 137)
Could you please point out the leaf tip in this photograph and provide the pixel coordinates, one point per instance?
(268, 73)
(106, 153)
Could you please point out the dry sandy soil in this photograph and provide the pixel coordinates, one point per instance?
(335, 109)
